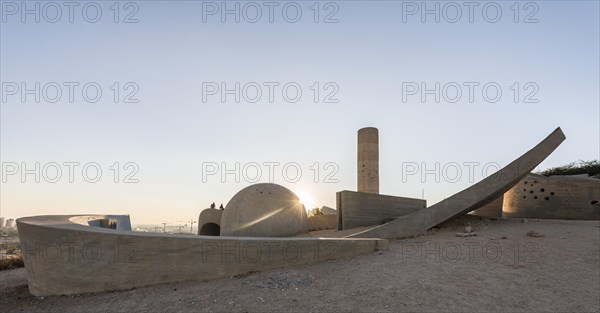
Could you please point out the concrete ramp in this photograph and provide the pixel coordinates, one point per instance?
(469, 199)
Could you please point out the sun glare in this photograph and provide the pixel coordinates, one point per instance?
(306, 199)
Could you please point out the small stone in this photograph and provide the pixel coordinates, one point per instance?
(468, 228)
(533, 233)
(524, 220)
(465, 234)
(380, 252)
(504, 237)
(493, 238)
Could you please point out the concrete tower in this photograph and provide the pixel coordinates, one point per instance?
(368, 160)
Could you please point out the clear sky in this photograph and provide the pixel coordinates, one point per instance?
(371, 61)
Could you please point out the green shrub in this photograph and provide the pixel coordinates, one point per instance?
(315, 211)
(591, 168)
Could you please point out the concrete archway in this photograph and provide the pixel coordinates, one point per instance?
(210, 229)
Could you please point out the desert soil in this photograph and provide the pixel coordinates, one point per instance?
(500, 269)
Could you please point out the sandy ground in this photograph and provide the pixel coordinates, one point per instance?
(558, 272)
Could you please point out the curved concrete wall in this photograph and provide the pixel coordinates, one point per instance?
(555, 197)
(65, 255)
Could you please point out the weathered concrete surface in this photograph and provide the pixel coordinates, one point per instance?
(328, 211)
(264, 210)
(356, 209)
(492, 209)
(322, 222)
(209, 222)
(554, 197)
(469, 199)
(368, 160)
(63, 255)
(122, 221)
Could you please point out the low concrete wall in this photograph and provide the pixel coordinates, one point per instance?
(356, 209)
(322, 222)
(63, 255)
(120, 222)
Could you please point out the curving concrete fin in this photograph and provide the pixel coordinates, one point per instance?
(469, 199)
(70, 254)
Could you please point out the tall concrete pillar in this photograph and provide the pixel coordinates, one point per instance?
(368, 160)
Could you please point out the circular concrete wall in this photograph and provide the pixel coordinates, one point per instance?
(264, 210)
(555, 197)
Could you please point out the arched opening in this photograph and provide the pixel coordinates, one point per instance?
(210, 229)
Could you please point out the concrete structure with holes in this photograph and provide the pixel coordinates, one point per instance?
(554, 197)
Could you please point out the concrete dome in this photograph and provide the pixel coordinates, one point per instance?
(264, 210)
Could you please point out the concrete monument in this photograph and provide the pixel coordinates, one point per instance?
(69, 254)
(555, 197)
(264, 210)
(470, 199)
(368, 160)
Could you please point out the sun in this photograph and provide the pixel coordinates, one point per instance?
(306, 199)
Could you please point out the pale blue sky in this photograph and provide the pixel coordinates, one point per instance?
(369, 53)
